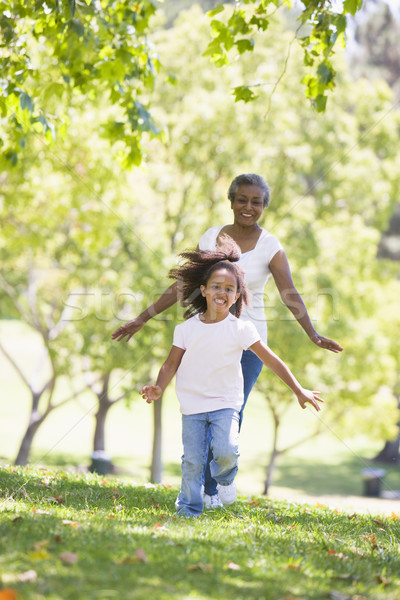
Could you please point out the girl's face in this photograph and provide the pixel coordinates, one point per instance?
(220, 291)
(248, 205)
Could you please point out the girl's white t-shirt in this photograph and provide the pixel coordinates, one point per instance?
(210, 376)
(255, 264)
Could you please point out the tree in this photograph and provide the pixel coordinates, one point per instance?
(321, 30)
(66, 235)
(93, 50)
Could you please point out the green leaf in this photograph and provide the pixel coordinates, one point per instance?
(325, 73)
(215, 11)
(351, 6)
(244, 93)
(26, 102)
(244, 45)
(320, 103)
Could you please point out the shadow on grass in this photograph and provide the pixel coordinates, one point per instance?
(343, 479)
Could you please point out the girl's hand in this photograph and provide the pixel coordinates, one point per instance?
(128, 330)
(312, 397)
(151, 393)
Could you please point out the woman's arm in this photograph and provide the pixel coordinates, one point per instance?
(167, 299)
(167, 371)
(273, 362)
(280, 270)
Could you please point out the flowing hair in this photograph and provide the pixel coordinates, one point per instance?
(197, 270)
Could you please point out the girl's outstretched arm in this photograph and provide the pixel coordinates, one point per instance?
(167, 371)
(167, 299)
(273, 362)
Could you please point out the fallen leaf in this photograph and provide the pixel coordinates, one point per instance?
(141, 555)
(40, 545)
(71, 523)
(200, 567)
(115, 493)
(293, 567)
(254, 502)
(233, 566)
(39, 511)
(379, 522)
(157, 525)
(126, 561)
(39, 554)
(383, 580)
(30, 575)
(16, 519)
(111, 516)
(69, 558)
(8, 594)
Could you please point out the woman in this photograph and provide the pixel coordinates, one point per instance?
(262, 255)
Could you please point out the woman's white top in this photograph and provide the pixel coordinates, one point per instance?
(210, 377)
(255, 264)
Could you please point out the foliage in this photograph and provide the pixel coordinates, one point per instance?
(60, 531)
(66, 242)
(57, 53)
(321, 30)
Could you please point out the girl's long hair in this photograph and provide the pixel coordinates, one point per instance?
(197, 270)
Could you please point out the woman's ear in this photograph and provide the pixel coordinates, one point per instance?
(203, 290)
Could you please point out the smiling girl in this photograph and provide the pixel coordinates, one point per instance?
(206, 354)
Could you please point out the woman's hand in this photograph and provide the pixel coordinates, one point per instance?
(313, 398)
(128, 330)
(151, 393)
(323, 342)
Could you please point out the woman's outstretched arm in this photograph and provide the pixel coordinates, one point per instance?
(167, 299)
(280, 269)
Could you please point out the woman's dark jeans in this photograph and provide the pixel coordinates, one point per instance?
(251, 368)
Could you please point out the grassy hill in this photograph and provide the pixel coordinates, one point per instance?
(84, 537)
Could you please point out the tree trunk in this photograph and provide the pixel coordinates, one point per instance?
(390, 452)
(274, 455)
(99, 438)
(156, 462)
(35, 420)
(101, 462)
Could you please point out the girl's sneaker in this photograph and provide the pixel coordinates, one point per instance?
(227, 493)
(212, 501)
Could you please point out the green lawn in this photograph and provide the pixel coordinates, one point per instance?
(80, 537)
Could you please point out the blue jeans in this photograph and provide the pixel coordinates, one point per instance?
(222, 426)
(251, 368)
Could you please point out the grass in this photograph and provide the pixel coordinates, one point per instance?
(82, 537)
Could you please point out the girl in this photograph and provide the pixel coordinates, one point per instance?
(205, 356)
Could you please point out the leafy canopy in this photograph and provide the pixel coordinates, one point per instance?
(321, 27)
(97, 49)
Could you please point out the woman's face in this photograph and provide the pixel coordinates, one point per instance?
(248, 205)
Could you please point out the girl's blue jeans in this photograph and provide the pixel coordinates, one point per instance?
(251, 368)
(218, 430)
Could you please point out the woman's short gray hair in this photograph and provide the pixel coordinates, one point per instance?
(250, 179)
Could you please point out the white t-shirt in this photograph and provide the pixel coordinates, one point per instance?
(255, 264)
(210, 376)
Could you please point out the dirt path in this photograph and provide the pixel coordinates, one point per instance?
(351, 504)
